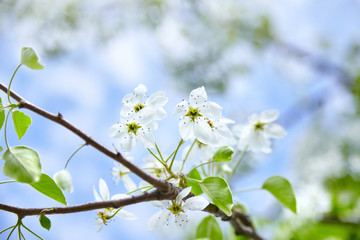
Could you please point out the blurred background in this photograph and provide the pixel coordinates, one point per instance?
(300, 57)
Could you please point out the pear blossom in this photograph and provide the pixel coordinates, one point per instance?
(256, 134)
(176, 207)
(120, 172)
(105, 215)
(139, 127)
(196, 116)
(134, 104)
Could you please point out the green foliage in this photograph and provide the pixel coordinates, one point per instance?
(21, 122)
(223, 154)
(30, 59)
(2, 114)
(22, 164)
(281, 189)
(1, 149)
(209, 229)
(218, 191)
(195, 187)
(48, 187)
(45, 222)
(63, 180)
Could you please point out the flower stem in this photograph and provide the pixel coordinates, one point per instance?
(12, 77)
(175, 153)
(164, 164)
(157, 148)
(187, 155)
(31, 231)
(7, 229)
(201, 165)
(238, 163)
(67, 162)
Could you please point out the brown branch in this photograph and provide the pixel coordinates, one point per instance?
(159, 184)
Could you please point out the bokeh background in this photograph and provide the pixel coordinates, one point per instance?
(300, 57)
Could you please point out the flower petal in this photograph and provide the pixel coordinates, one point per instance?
(119, 196)
(181, 220)
(192, 154)
(211, 110)
(146, 138)
(160, 113)
(161, 204)
(103, 189)
(159, 219)
(269, 116)
(203, 131)
(181, 108)
(197, 97)
(130, 100)
(183, 194)
(196, 203)
(117, 130)
(96, 195)
(186, 129)
(145, 116)
(129, 183)
(127, 143)
(274, 130)
(157, 100)
(126, 215)
(140, 91)
(127, 113)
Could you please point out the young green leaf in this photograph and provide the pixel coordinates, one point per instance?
(209, 229)
(2, 114)
(63, 180)
(21, 122)
(30, 59)
(1, 149)
(48, 187)
(281, 189)
(218, 191)
(45, 222)
(195, 187)
(223, 154)
(22, 164)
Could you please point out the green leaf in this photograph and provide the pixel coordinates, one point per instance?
(281, 189)
(63, 180)
(21, 122)
(1, 149)
(22, 164)
(209, 229)
(195, 187)
(2, 114)
(223, 154)
(48, 187)
(30, 59)
(45, 222)
(218, 191)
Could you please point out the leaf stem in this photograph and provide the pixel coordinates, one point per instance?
(164, 164)
(187, 155)
(10, 181)
(12, 77)
(175, 153)
(5, 127)
(202, 165)
(238, 163)
(158, 150)
(246, 190)
(67, 162)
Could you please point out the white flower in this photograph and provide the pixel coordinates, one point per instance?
(256, 135)
(134, 104)
(196, 116)
(176, 207)
(121, 172)
(106, 214)
(63, 180)
(137, 128)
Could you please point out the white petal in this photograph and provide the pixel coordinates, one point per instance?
(273, 130)
(161, 204)
(140, 91)
(183, 194)
(269, 116)
(197, 96)
(181, 220)
(117, 130)
(119, 196)
(129, 183)
(129, 100)
(196, 203)
(157, 100)
(127, 143)
(145, 116)
(96, 195)
(186, 129)
(160, 113)
(211, 110)
(126, 215)
(192, 154)
(127, 113)
(63, 180)
(258, 143)
(254, 118)
(203, 131)
(159, 219)
(103, 189)
(146, 138)
(181, 108)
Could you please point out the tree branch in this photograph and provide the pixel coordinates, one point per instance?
(161, 185)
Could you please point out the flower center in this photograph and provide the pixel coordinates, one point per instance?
(176, 208)
(193, 113)
(133, 127)
(103, 216)
(138, 107)
(259, 126)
